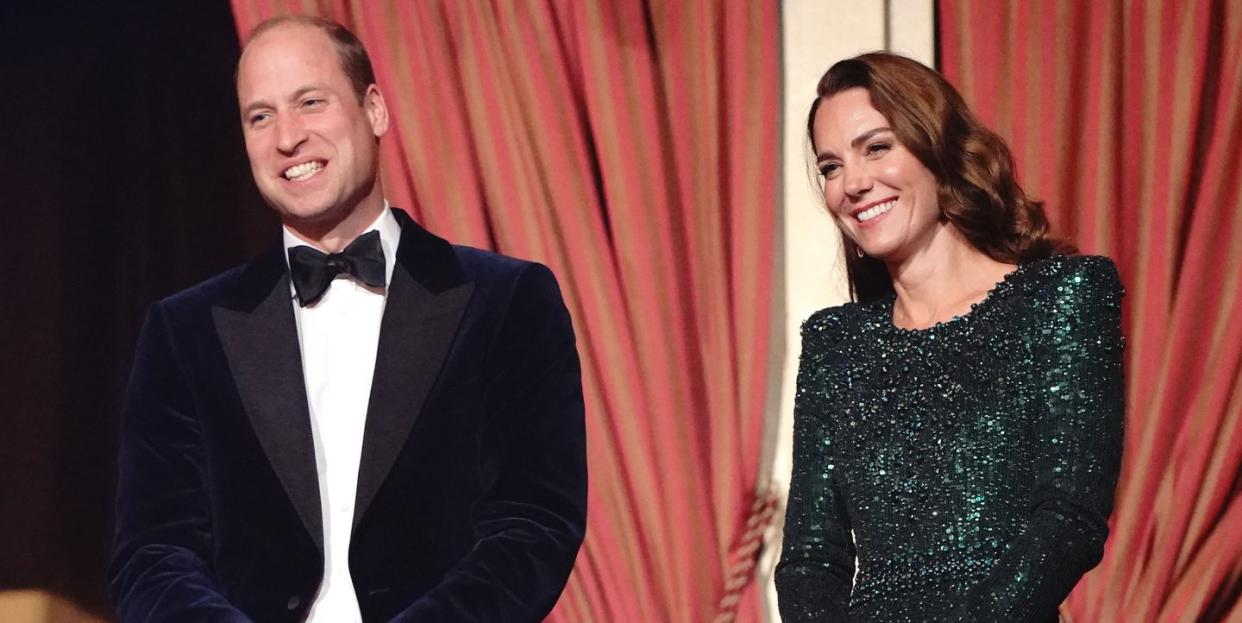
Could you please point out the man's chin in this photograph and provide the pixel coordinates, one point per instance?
(302, 212)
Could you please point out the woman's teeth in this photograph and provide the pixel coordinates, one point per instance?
(875, 211)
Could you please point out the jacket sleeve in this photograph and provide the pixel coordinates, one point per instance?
(531, 518)
(1079, 435)
(163, 534)
(816, 571)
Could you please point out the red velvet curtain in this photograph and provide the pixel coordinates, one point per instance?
(629, 145)
(1125, 116)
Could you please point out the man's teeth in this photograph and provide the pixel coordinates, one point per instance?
(302, 171)
(875, 211)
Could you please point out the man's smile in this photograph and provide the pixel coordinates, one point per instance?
(304, 171)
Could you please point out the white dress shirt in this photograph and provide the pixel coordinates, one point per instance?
(339, 335)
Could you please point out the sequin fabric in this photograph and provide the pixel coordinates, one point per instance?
(969, 467)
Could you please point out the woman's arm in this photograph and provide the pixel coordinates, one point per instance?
(1079, 444)
(816, 570)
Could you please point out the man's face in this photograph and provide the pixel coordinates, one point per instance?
(313, 146)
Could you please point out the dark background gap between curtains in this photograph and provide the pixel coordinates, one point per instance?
(123, 179)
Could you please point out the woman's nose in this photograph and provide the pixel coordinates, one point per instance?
(857, 181)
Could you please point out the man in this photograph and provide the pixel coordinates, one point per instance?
(365, 423)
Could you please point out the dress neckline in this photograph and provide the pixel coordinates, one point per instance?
(977, 309)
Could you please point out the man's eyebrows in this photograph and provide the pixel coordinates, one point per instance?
(304, 90)
(255, 105)
(295, 96)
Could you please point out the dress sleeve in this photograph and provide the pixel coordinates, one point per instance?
(1078, 444)
(814, 576)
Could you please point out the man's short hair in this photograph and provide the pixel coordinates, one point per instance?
(349, 49)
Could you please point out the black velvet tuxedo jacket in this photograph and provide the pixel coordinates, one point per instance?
(471, 500)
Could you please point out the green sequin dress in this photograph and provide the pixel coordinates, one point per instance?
(969, 466)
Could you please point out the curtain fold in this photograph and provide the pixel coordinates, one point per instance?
(1124, 117)
(631, 147)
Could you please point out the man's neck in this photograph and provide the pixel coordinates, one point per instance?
(332, 237)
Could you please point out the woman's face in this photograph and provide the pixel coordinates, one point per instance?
(881, 196)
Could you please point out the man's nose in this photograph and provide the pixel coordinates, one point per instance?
(290, 133)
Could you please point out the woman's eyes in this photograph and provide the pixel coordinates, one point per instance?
(878, 148)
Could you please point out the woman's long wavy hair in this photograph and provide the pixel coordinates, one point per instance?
(978, 192)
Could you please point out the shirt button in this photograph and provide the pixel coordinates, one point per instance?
(293, 603)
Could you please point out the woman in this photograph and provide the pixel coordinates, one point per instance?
(958, 426)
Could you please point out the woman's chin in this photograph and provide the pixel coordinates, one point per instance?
(877, 251)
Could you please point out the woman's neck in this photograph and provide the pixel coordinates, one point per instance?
(942, 280)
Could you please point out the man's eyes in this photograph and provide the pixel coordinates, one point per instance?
(311, 103)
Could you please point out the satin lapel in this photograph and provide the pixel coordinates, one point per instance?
(261, 343)
(426, 300)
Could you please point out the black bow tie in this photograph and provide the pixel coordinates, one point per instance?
(313, 270)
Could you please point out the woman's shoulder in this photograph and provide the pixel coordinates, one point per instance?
(1091, 275)
(1072, 289)
(829, 326)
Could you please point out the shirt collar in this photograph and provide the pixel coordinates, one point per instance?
(390, 236)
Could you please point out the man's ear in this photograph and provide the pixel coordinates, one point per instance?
(377, 110)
